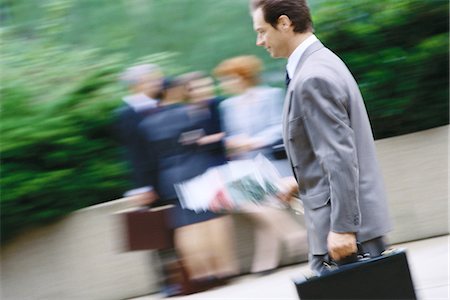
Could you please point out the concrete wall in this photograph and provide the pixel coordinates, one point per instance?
(81, 257)
(415, 169)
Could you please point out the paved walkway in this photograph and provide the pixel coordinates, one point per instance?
(429, 264)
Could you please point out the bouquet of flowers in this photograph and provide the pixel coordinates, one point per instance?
(235, 186)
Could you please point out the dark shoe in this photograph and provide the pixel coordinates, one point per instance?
(172, 290)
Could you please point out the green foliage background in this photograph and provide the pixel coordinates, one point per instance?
(60, 60)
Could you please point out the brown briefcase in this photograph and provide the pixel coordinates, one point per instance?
(147, 229)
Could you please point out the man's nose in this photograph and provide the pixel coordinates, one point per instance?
(259, 42)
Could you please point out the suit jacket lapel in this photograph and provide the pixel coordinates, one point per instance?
(290, 91)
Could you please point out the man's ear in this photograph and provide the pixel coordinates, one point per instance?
(284, 23)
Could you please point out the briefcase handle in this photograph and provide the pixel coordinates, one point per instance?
(358, 256)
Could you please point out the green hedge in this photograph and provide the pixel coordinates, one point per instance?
(398, 51)
(57, 150)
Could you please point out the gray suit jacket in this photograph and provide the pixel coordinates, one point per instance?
(330, 145)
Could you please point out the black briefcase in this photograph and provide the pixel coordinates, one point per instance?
(384, 277)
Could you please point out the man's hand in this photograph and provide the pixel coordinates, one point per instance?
(146, 198)
(238, 145)
(341, 245)
(290, 188)
(242, 143)
(209, 139)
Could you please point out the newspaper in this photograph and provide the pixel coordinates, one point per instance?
(237, 185)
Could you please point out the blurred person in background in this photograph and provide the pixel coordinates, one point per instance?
(217, 234)
(252, 123)
(327, 135)
(173, 92)
(204, 106)
(172, 133)
(144, 83)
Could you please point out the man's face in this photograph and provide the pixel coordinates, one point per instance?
(271, 38)
(200, 89)
(150, 84)
(231, 85)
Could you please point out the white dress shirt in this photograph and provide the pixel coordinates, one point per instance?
(140, 102)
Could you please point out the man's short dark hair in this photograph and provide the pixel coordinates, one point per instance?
(296, 10)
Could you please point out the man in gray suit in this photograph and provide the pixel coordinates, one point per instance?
(327, 136)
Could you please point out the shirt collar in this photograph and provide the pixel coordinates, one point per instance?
(294, 58)
(140, 102)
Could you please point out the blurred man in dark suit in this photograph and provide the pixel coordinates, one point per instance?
(144, 83)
